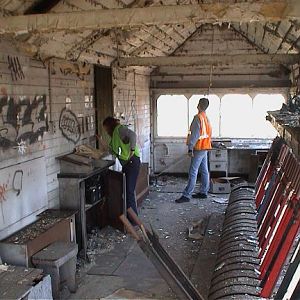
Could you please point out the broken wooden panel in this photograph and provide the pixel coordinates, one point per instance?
(142, 185)
(24, 283)
(116, 198)
(18, 248)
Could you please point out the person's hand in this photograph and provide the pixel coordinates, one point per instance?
(191, 153)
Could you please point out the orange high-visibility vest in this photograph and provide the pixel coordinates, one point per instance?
(204, 141)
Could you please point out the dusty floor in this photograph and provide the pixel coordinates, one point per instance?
(119, 269)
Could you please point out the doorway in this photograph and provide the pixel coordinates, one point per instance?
(103, 96)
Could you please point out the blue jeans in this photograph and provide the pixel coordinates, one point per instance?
(198, 162)
(131, 170)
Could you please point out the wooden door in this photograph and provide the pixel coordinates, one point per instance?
(116, 198)
(103, 95)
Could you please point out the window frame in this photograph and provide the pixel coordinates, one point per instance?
(188, 93)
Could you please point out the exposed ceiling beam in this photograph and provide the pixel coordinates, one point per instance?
(154, 15)
(287, 59)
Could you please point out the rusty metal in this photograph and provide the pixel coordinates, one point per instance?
(235, 218)
(235, 232)
(236, 279)
(258, 232)
(235, 290)
(236, 248)
(242, 266)
(242, 199)
(236, 254)
(234, 274)
(240, 211)
(239, 223)
(238, 228)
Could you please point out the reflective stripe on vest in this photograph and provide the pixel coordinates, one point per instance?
(203, 133)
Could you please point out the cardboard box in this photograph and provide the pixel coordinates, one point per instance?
(219, 186)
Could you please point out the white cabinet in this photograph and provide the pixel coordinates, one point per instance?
(218, 160)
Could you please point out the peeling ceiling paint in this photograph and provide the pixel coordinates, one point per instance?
(103, 46)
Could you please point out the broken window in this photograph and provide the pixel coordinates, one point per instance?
(263, 103)
(232, 116)
(172, 116)
(236, 116)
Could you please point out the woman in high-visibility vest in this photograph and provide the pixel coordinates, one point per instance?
(123, 146)
(199, 142)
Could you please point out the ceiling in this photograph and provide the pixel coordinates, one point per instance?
(104, 45)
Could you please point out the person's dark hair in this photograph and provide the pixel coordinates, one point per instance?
(111, 123)
(203, 103)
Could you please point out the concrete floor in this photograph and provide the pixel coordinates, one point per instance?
(120, 270)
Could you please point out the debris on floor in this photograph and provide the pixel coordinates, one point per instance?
(197, 230)
(100, 242)
(115, 259)
(127, 294)
(220, 200)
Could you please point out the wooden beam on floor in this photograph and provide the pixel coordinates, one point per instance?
(215, 60)
(154, 15)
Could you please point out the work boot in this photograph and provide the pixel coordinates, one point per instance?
(199, 196)
(182, 199)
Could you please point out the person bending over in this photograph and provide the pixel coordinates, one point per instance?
(123, 146)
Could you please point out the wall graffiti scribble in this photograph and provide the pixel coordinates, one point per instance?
(22, 120)
(69, 125)
(18, 182)
(3, 190)
(15, 67)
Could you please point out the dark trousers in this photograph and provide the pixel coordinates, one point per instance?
(131, 170)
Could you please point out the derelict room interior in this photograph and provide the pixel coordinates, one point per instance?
(149, 149)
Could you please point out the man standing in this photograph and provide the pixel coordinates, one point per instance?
(198, 141)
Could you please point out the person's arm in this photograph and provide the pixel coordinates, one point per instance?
(195, 134)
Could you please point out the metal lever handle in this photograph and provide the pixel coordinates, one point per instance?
(129, 227)
(136, 219)
(134, 216)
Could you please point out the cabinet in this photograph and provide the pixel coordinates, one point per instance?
(218, 161)
(97, 196)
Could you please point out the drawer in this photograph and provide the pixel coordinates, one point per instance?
(219, 166)
(218, 155)
(219, 186)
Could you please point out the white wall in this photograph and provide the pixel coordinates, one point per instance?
(64, 83)
(132, 104)
(218, 40)
(193, 80)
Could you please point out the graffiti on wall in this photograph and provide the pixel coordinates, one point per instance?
(15, 68)
(3, 191)
(16, 186)
(17, 183)
(69, 125)
(22, 120)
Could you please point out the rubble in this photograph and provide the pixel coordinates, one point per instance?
(100, 241)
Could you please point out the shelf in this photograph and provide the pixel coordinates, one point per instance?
(89, 206)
